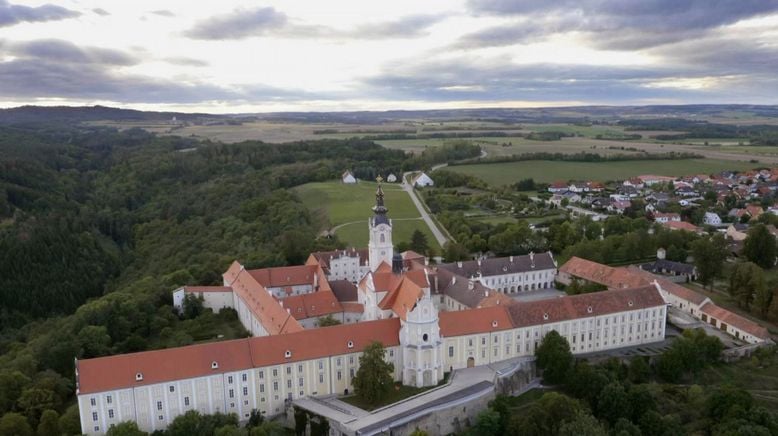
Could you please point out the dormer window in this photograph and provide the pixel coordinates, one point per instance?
(139, 377)
(350, 344)
(589, 309)
(214, 365)
(630, 303)
(545, 316)
(494, 323)
(287, 354)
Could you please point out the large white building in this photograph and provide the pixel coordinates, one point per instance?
(430, 321)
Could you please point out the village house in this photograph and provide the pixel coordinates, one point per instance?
(348, 178)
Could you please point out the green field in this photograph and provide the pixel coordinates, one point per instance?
(335, 204)
(549, 171)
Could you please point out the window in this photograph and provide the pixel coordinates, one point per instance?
(288, 370)
(172, 388)
(108, 399)
(243, 377)
(262, 388)
(321, 378)
(229, 381)
(232, 393)
(351, 360)
(340, 375)
(301, 382)
(391, 353)
(321, 364)
(186, 401)
(94, 416)
(351, 372)
(450, 351)
(275, 385)
(261, 374)
(110, 413)
(161, 417)
(275, 373)
(93, 401)
(483, 340)
(289, 384)
(338, 361)
(299, 368)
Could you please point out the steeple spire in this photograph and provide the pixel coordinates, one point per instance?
(379, 207)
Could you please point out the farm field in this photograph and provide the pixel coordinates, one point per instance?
(549, 171)
(347, 208)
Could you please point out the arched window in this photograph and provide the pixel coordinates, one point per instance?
(383, 238)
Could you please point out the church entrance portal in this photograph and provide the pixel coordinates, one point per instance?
(470, 362)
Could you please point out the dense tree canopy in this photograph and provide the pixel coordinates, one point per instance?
(374, 376)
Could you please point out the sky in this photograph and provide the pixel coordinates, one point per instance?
(338, 55)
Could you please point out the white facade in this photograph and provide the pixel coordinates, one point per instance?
(214, 300)
(518, 282)
(711, 219)
(380, 246)
(423, 180)
(348, 178)
(422, 345)
(347, 267)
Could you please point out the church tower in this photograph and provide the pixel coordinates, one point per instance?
(422, 346)
(380, 246)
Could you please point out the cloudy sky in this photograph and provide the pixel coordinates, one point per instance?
(232, 56)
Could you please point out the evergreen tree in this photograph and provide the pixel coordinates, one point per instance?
(419, 242)
(554, 358)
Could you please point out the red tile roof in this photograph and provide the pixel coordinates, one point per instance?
(312, 305)
(207, 289)
(565, 308)
(602, 274)
(735, 320)
(262, 305)
(285, 275)
(670, 287)
(118, 372)
(681, 225)
(473, 321)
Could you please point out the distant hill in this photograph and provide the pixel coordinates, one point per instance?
(36, 114)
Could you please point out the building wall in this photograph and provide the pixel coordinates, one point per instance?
(211, 300)
(518, 282)
(347, 268)
(280, 291)
(247, 318)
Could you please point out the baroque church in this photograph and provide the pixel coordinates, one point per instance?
(431, 319)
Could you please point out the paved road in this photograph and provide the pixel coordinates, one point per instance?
(407, 187)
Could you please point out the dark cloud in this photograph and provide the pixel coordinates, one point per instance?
(59, 69)
(246, 23)
(14, 14)
(411, 26)
(520, 32)
(241, 23)
(615, 24)
(163, 13)
(64, 51)
(101, 12)
(497, 80)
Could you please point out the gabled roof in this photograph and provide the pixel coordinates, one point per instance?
(312, 305)
(670, 287)
(323, 257)
(555, 310)
(284, 275)
(474, 321)
(681, 225)
(159, 366)
(274, 318)
(344, 290)
(501, 265)
(735, 320)
(602, 274)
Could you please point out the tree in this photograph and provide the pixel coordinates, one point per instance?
(613, 404)
(193, 306)
(583, 425)
(554, 358)
(373, 379)
(126, 428)
(327, 321)
(759, 246)
(454, 251)
(745, 281)
(419, 242)
(489, 423)
(639, 371)
(70, 421)
(709, 255)
(49, 423)
(15, 424)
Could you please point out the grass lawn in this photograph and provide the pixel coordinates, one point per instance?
(549, 171)
(760, 379)
(400, 392)
(334, 203)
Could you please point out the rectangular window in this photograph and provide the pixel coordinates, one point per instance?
(110, 413)
(300, 381)
(275, 385)
(391, 353)
(275, 373)
(450, 351)
(338, 361)
(93, 401)
(108, 399)
(161, 417)
(289, 384)
(351, 372)
(299, 368)
(321, 378)
(159, 405)
(351, 360)
(340, 375)
(288, 370)
(186, 401)
(232, 393)
(172, 388)
(321, 364)
(483, 341)
(262, 389)
(243, 377)
(261, 374)
(94, 416)
(245, 391)
(229, 380)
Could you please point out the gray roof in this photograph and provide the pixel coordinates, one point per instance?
(501, 265)
(668, 265)
(344, 290)
(458, 287)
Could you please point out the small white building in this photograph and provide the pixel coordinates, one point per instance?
(348, 178)
(391, 178)
(711, 219)
(422, 180)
